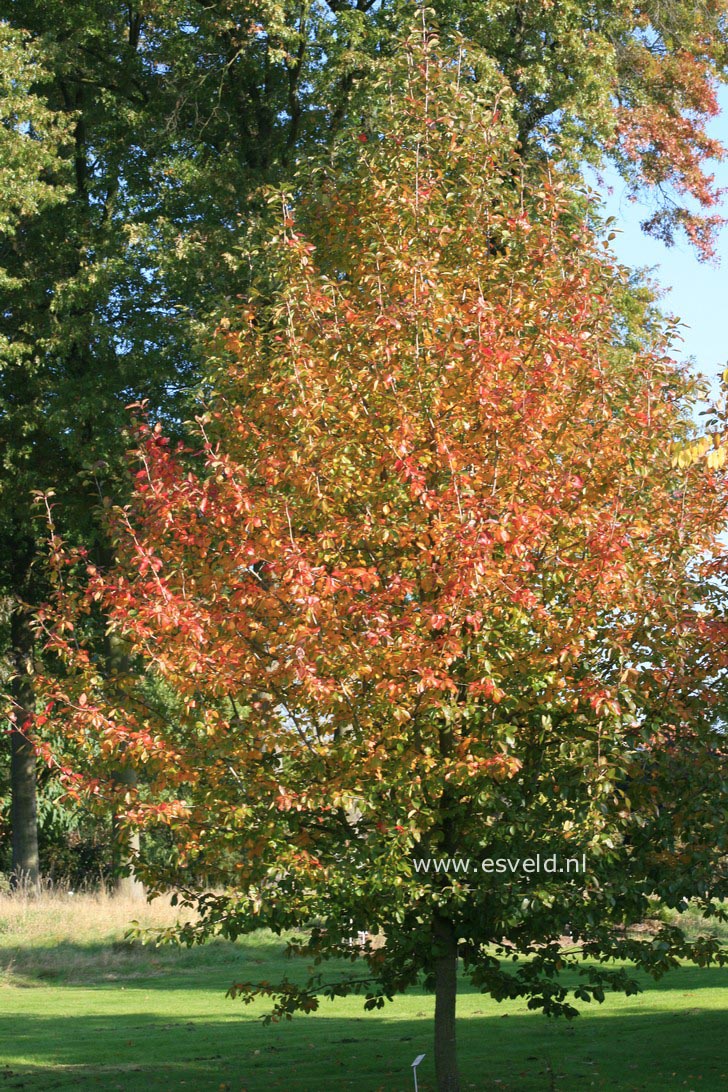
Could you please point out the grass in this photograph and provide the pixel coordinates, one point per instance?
(82, 1008)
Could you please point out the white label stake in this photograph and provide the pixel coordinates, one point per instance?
(415, 1063)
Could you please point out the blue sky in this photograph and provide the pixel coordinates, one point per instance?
(698, 293)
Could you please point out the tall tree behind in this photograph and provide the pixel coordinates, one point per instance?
(33, 183)
(180, 110)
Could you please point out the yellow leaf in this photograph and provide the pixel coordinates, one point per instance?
(716, 458)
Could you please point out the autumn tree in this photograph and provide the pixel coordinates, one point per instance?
(428, 587)
(176, 113)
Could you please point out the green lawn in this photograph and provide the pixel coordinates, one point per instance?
(78, 1009)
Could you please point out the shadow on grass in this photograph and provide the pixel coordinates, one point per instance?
(653, 1052)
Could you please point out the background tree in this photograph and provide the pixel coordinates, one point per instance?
(179, 111)
(34, 183)
(431, 589)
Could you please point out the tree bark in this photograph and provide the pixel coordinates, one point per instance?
(125, 843)
(23, 807)
(446, 966)
(125, 846)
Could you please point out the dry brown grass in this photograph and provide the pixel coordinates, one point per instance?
(57, 915)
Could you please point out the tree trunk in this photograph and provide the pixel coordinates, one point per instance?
(23, 808)
(446, 967)
(125, 847)
(125, 843)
